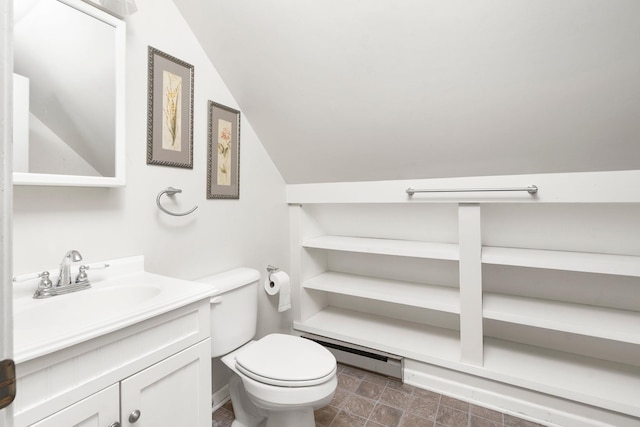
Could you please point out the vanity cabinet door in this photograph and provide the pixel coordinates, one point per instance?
(173, 392)
(99, 410)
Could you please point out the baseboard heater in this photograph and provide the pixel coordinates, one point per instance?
(361, 357)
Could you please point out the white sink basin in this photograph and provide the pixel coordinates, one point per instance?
(119, 298)
(82, 306)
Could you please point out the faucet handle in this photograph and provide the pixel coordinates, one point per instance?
(82, 275)
(45, 281)
(45, 287)
(82, 272)
(28, 276)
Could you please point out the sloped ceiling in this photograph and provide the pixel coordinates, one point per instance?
(355, 90)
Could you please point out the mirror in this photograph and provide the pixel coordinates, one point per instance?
(69, 94)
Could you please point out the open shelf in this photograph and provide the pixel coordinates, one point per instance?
(432, 297)
(408, 248)
(601, 322)
(407, 339)
(590, 341)
(598, 382)
(622, 265)
(593, 381)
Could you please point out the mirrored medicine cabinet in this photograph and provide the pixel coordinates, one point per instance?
(69, 97)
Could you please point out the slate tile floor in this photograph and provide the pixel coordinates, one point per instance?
(365, 399)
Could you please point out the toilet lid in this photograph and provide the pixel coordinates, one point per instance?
(286, 360)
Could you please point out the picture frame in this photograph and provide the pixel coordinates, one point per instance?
(223, 153)
(169, 110)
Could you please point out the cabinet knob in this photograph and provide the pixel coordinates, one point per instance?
(116, 424)
(134, 416)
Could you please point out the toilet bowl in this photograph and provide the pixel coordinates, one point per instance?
(276, 381)
(280, 380)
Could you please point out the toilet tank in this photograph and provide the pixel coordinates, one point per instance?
(234, 311)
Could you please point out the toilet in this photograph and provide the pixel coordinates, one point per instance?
(276, 381)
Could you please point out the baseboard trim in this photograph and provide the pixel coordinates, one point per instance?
(219, 398)
(519, 402)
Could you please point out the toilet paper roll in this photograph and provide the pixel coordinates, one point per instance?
(279, 283)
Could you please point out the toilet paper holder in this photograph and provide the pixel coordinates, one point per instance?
(278, 282)
(271, 269)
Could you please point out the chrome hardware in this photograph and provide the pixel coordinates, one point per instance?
(82, 277)
(64, 278)
(134, 416)
(170, 191)
(44, 287)
(532, 189)
(64, 284)
(116, 424)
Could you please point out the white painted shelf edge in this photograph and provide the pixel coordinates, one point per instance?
(593, 381)
(577, 187)
(432, 297)
(413, 340)
(407, 248)
(623, 265)
(607, 323)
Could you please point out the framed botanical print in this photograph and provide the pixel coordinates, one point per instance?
(169, 111)
(223, 154)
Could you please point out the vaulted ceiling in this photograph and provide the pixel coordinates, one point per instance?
(356, 90)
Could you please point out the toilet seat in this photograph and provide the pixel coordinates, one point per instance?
(286, 361)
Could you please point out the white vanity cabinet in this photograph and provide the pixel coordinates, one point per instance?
(99, 410)
(160, 367)
(174, 392)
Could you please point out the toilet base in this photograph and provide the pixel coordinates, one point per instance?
(247, 414)
(295, 418)
(283, 419)
(250, 414)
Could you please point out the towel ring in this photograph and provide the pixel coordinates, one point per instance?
(170, 191)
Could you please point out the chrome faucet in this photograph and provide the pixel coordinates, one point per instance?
(64, 278)
(65, 284)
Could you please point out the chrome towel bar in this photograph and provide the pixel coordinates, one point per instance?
(170, 191)
(532, 189)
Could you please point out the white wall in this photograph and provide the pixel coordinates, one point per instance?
(384, 89)
(110, 223)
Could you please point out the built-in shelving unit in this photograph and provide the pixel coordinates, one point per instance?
(554, 342)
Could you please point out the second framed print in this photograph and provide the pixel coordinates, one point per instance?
(169, 111)
(223, 154)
